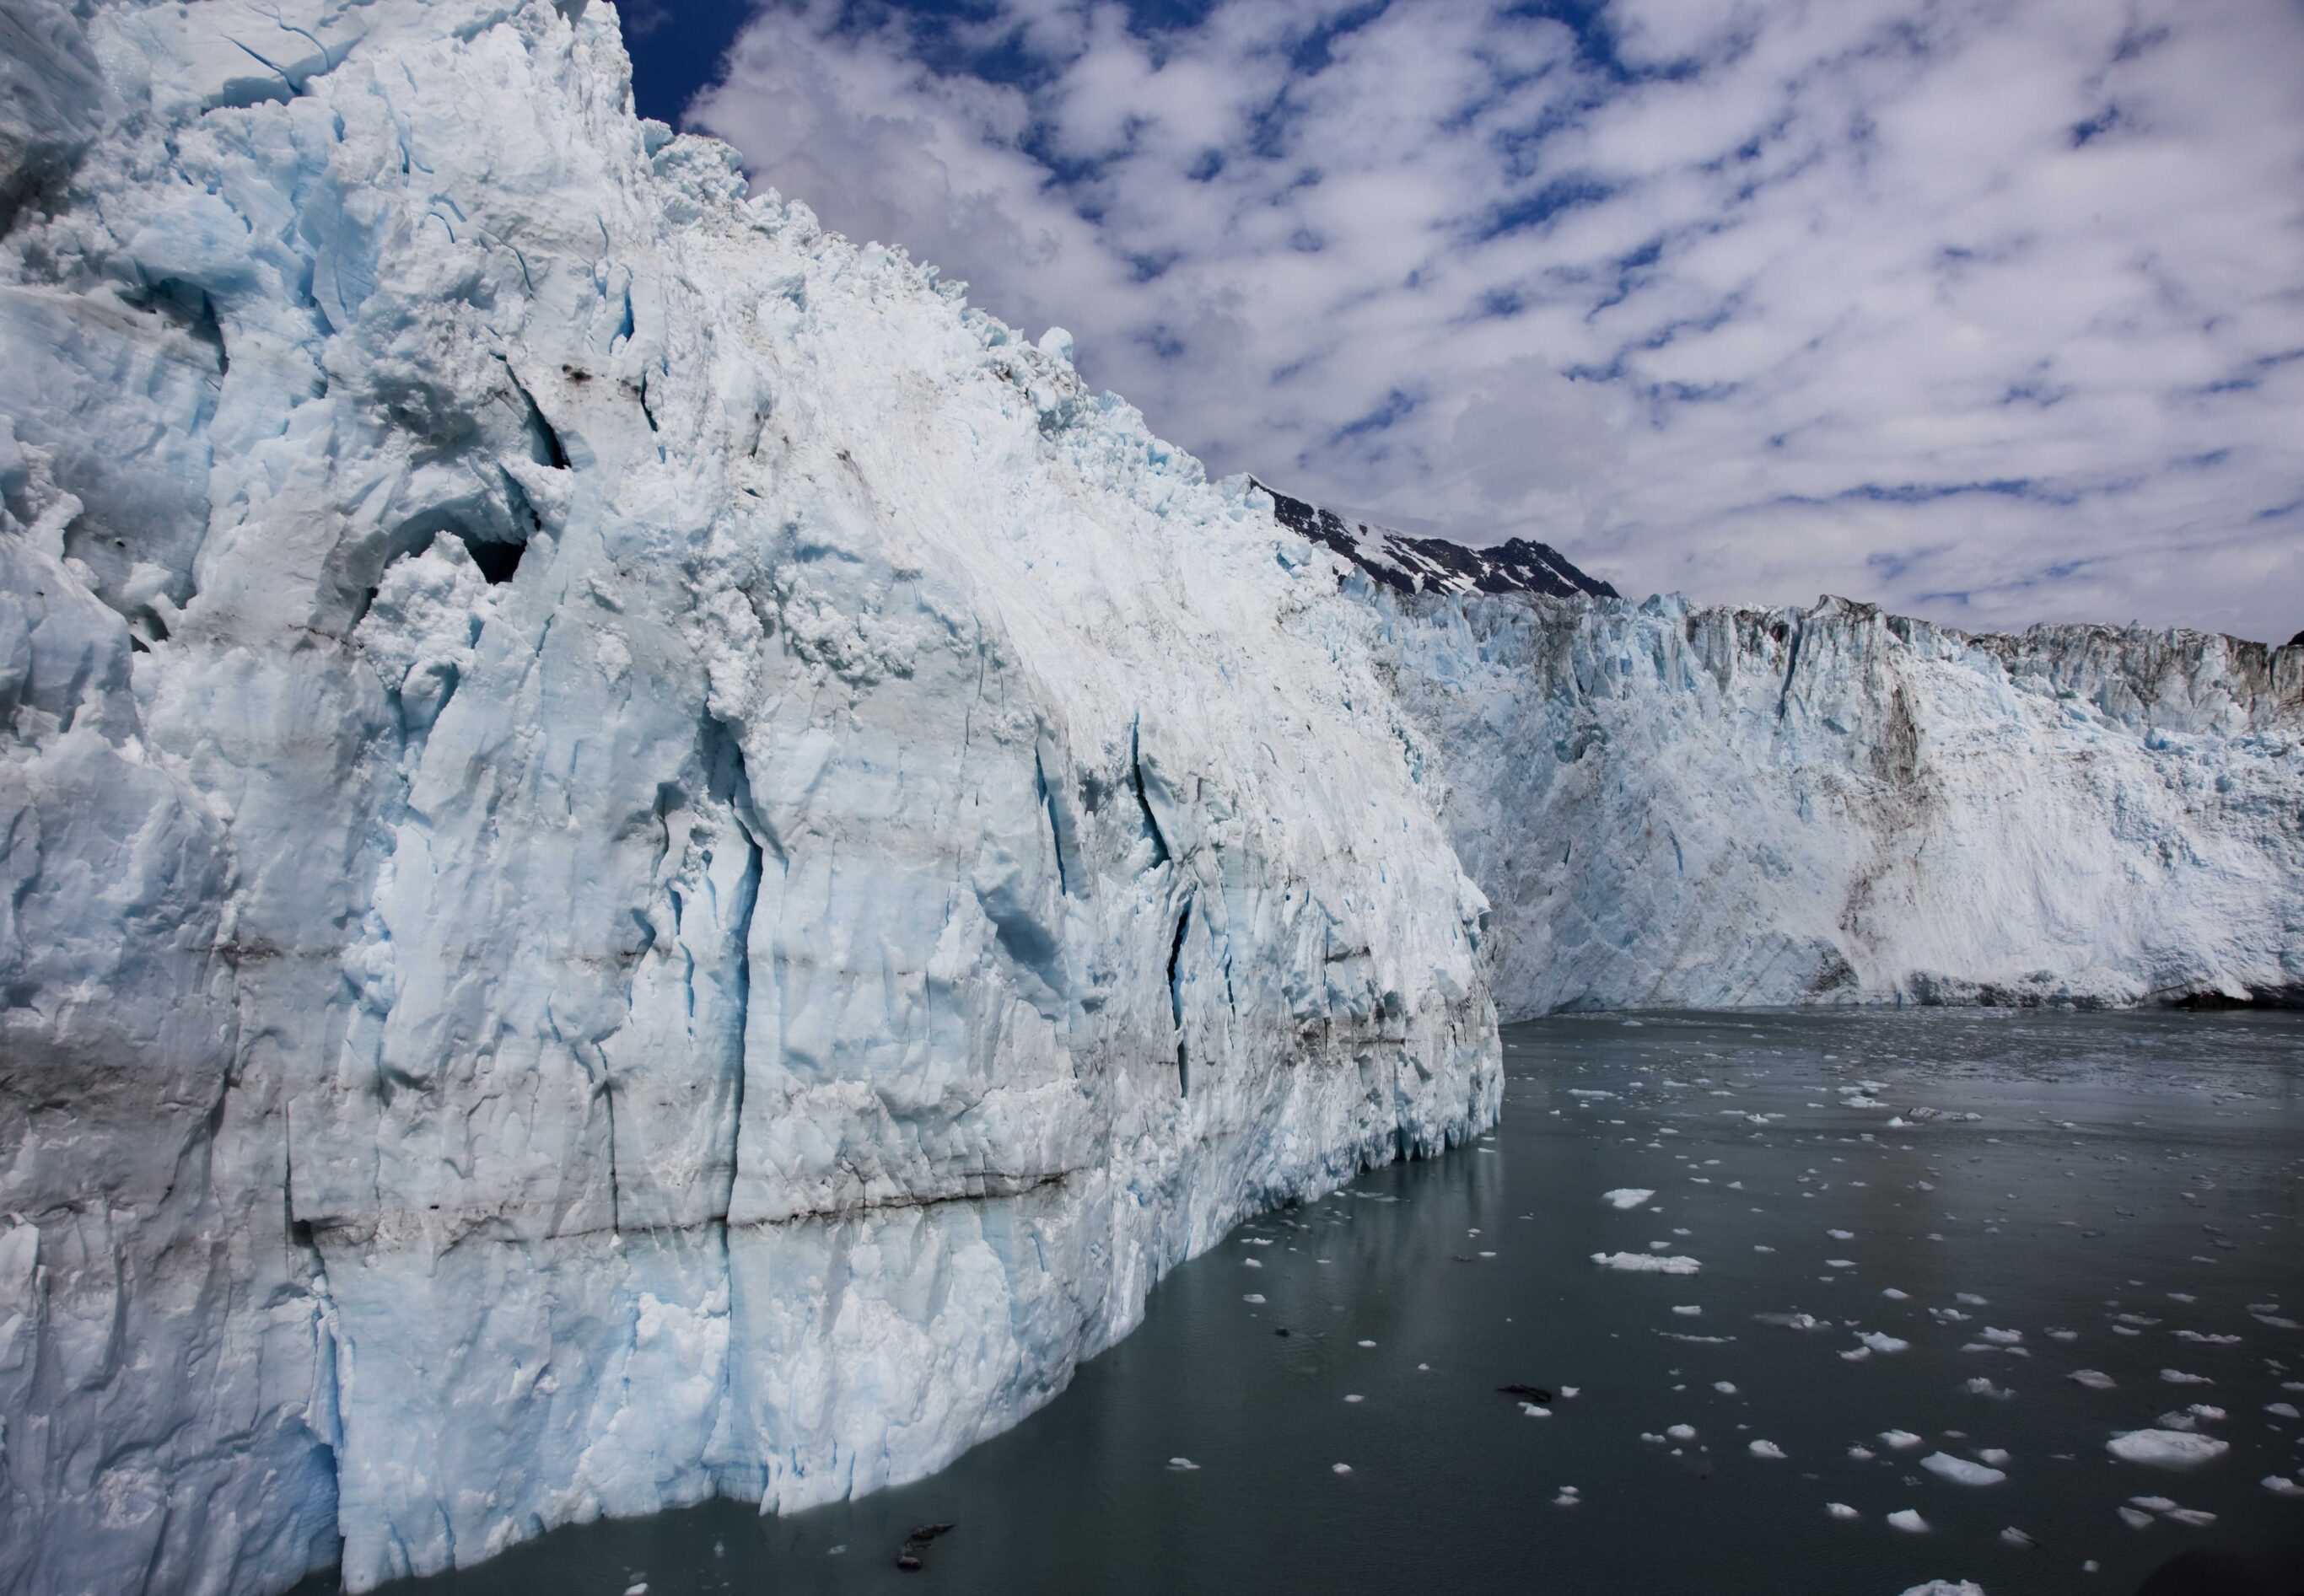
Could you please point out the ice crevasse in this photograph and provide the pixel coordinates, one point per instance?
(644, 857)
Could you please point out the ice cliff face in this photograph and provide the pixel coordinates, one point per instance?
(627, 873)
(1696, 807)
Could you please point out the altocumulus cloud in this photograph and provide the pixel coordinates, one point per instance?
(1989, 309)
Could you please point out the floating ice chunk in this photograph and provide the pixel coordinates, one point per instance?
(1765, 1448)
(1841, 1235)
(1946, 1587)
(2193, 1516)
(2178, 1377)
(1881, 1341)
(1626, 1196)
(1184, 1465)
(1647, 1263)
(2153, 1503)
(1895, 1295)
(1960, 1471)
(1841, 1510)
(1995, 1456)
(2282, 1485)
(1909, 1520)
(1862, 1454)
(1340, 1468)
(1970, 1297)
(1355, 1396)
(1727, 1388)
(1365, 1343)
(1253, 1296)
(1689, 1312)
(2165, 1449)
(2001, 1338)
(2135, 1519)
(1899, 1438)
(2282, 1410)
(1981, 1387)
(1529, 1410)
(2016, 1537)
(1840, 1263)
(1681, 1431)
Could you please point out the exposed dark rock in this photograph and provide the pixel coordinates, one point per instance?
(1433, 564)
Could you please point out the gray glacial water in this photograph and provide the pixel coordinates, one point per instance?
(2049, 1192)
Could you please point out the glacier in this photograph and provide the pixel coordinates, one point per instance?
(646, 858)
(1676, 806)
(630, 873)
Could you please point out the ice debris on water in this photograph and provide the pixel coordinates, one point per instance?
(1647, 1263)
(1960, 1471)
(2165, 1449)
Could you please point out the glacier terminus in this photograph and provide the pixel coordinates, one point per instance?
(647, 858)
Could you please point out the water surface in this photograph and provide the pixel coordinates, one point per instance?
(2051, 1193)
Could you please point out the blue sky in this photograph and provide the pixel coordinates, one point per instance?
(1991, 311)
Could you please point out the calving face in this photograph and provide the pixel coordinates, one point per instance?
(685, 900)
(1670, 805)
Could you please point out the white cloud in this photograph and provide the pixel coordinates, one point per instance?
(1991, 311)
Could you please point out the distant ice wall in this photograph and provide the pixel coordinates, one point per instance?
(643, 857)
(1675, 805)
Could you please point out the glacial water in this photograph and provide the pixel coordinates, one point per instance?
(2034, 1194)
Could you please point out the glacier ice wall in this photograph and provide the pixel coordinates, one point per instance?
(643, 857)
(1673, 806)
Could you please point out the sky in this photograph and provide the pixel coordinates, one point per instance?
(1991, 312)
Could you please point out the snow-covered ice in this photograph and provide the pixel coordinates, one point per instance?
(1626, 1196)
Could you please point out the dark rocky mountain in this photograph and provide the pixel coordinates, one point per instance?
(1433, 564)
